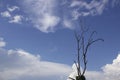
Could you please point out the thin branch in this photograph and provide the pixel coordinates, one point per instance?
(71, 78)
(82, 48)
(93, 33)
(95, 41)
(86, 49)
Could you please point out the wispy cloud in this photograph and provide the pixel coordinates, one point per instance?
(81, 8)
(16, 19)
(13, 8)
(47, 23)
(68, 23)
(5, 14)
(12, 18)
(84, 8)
(48, 15)
(42, 14)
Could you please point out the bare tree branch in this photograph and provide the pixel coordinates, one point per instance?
(71, 78)
(83, 44)
(83, 48)
(90, 42)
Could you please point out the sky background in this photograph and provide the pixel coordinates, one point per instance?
(37, 39)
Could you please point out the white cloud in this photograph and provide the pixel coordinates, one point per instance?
(13, 8)
(2, 43)
(22, 65)
(16, 19)
(112, 71)
(47, 24)
(42, 14)
(94, 75)
(5, 14)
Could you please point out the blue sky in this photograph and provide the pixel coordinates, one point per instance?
(38, 29)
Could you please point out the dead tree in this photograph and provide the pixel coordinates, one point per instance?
(83, 45)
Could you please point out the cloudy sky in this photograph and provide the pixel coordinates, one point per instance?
(37, 39)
